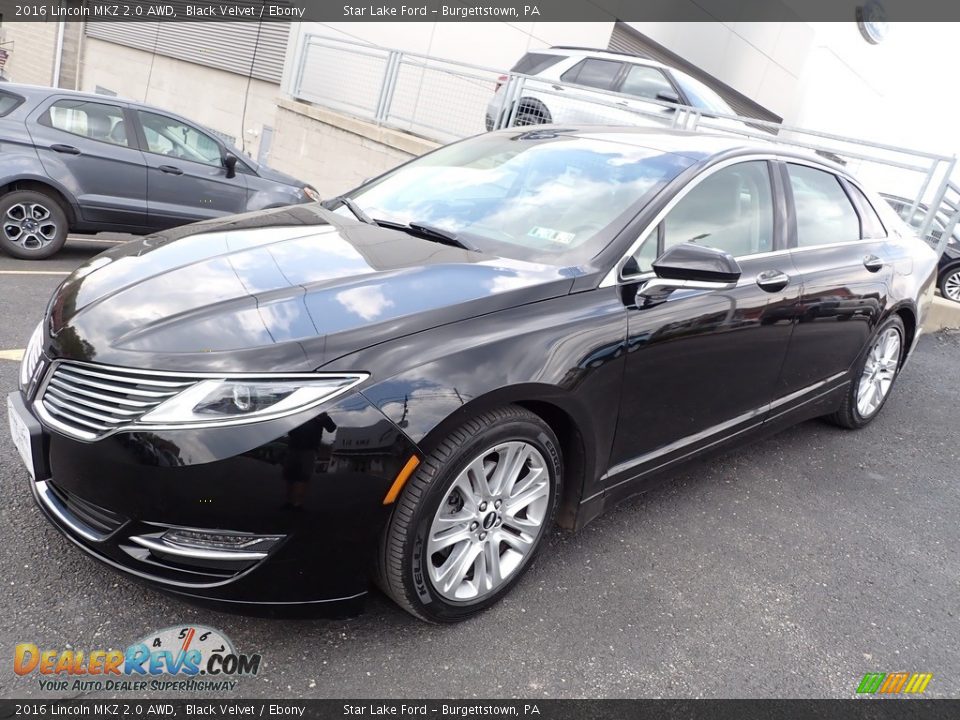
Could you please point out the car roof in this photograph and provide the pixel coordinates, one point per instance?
(695, 145)
(37, 93)
(572, 51)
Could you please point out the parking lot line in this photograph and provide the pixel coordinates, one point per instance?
(34, 272)
(14, 355)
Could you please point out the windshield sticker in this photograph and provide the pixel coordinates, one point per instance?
(551, 235)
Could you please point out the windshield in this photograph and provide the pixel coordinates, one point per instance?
(533, 195)
(701, 96)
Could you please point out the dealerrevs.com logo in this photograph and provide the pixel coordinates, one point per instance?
(184, 658)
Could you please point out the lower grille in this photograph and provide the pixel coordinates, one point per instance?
(99, 519)
(87, 520)
(90, 401)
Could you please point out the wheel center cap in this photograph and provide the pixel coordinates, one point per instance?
(30, 224)
(489, 520)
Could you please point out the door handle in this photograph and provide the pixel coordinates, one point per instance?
(773, 280)
(872, 263)
(558, 87)
(170, 170)
(68, 149)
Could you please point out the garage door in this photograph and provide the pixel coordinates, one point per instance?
(626, 39)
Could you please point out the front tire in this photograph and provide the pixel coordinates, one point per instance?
(873, 376)
(473, 516)
(33, 225)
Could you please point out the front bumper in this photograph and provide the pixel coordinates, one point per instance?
(315, 482)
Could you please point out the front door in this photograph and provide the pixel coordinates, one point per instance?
(186, 177)
(702, 365)
(87, 147)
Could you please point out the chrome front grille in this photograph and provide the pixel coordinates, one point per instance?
(90, 401)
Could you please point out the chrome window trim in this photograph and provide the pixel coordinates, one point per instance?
(614, 277)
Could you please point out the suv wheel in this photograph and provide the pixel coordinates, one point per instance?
(950, 284)
(33, 226)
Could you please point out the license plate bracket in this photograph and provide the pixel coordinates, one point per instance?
(28, 437)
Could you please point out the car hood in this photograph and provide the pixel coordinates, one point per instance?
(276, 290)
(268, 173)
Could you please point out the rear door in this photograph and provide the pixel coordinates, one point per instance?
(577, 102)
(87, 147)
(839, 250)
(186, 177)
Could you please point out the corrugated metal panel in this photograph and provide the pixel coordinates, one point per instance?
(626, 39)
(238, 47)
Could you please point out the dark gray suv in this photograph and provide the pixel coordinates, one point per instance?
(89, 163)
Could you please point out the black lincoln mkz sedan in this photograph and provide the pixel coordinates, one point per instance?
(411, 383)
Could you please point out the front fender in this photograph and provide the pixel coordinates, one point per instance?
(566, 353)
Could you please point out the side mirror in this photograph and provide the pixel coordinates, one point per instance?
(230, 163)
(669, 96)
(691, 267)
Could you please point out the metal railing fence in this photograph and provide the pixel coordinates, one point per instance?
(445, 100)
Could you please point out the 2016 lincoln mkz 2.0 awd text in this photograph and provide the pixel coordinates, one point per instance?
(413, 382)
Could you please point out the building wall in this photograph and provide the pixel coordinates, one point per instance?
(766, 61)
(213, 98)
(71, 55)
(32, 52)
(335, 152)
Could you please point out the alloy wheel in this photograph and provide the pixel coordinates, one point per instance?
(489, 522)
(29, 225)
(951, 286)
(878, 372)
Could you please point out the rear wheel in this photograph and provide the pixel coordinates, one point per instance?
(471, 519)
(531, 113)
(33, 225)
(874, 376)
(950, 284)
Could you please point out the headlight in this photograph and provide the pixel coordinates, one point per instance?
(311, 193)
(31, 355)
(232, 401)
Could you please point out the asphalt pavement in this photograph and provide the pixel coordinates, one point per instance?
(788, 568)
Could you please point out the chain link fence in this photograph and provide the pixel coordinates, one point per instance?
(444, 100)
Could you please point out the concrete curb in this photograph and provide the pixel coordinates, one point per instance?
(943, 315)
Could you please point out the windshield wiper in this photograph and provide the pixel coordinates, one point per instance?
(357, 211)
(430, 232)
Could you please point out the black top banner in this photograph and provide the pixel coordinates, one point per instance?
(131, 709)
(870, 13)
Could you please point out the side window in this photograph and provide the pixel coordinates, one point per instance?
(535, 63)
(731, 210)
(167, 136)
(97, 121)
(824, 212)
(646, 82)
(593, 73)
(8, 102)
(872, 226)
(646, 254)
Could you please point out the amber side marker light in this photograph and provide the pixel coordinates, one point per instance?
(401, 480)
